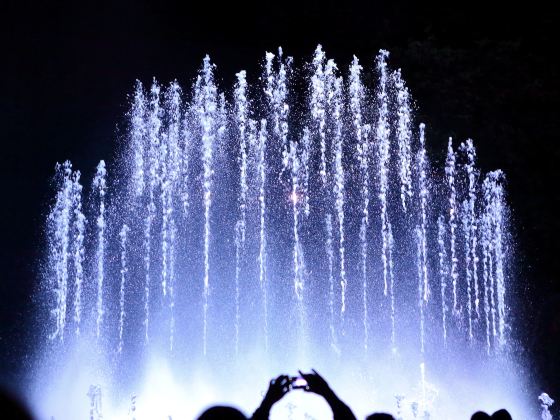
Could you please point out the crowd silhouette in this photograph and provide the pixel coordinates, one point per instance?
(11, 408)
(315, 383)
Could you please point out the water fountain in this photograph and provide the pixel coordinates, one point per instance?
(279, 228)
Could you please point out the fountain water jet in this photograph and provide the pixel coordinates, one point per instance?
(247, 231)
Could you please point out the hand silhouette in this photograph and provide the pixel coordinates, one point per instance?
(316, 383)
(277, 388)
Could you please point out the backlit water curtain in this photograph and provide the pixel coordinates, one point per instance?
(297, 218)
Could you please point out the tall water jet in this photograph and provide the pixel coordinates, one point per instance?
(206, 103)
(495, 231)
(262, 169)
(170, 183)
(241, 114)
(357, 93)
(488, 277)
(382, 140)
(297, 253)
(59, 230)
(100, 185)
(450, 170)
(276, 91)
(153, 128)
(123, 235)
(321, 105)
(138, 133)
(404, 136)
(442, 274)
(470, 233)
(422, 264)
(339, 176)
(79, 249)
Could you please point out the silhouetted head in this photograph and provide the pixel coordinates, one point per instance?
(12, 409)
(222, 412)
(502, 414)
(380, 416)
(480, 415)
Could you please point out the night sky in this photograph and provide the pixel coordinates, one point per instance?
(489, 74)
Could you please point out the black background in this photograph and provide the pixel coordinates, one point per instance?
(490, 73)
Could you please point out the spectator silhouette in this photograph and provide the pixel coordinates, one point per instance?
(502, 414)
(480, 415)
(498, 415)
(13, 409)
(380, 416)
(277, 388)
(220, 412)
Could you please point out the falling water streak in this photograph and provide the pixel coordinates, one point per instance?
(322, 92)
(492, 294)
(147, 260)
(469, 149)
(171, 286)
(276, 90)
(382, 140)
(450, 177)
(207, 108)
(356, 90)
(138, 132)
(500, 276)
(100, 185)
(154, 124)
(184, 162)
(392, 289)
(165, 196)
(173, 104)
(339, 177)
(330, 267)
(486, 273)
(262, 234)
(421, 235)
(297, 253)
(442, 274)
(421, 302)
(240, 227)
(79, 250)
(123, 235)
(494, 200)
(423, 187)
(465, 218)
(305, 155)
(59, 223)
(404, 136)
(317, 104)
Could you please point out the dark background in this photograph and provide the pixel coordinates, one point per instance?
(490, 73)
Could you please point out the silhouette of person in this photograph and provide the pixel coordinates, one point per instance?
(480, 415)
(380, 416)
(502, 414)
(318, 385)
(13, 409)
(277, 388)
(220, 412)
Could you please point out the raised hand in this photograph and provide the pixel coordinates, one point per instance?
(316, 383)
(277, 388)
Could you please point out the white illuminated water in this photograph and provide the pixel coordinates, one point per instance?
(296, 221)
